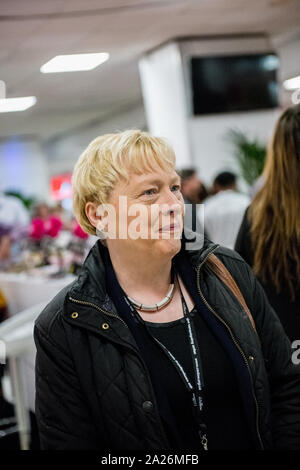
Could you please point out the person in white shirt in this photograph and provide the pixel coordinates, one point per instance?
(224, 211)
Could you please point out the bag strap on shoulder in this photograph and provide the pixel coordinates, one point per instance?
(220, 270)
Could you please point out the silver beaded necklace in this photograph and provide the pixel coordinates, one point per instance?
(159, 305)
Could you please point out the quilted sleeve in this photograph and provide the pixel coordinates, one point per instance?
(63, 419)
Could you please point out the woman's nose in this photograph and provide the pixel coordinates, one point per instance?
(171, 204)
(169, 197)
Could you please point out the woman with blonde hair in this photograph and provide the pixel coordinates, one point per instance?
(269, 237)
(161, 343)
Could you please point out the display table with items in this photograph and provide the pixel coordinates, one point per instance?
(26, 295)
(35, 264)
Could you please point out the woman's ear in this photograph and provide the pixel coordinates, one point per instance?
(93, 215)
(103, 218)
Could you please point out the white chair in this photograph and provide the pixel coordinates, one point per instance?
(16, 333)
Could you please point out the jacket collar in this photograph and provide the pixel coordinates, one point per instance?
(90, 285)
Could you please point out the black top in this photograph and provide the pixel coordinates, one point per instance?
(287, 311)
(223, 413)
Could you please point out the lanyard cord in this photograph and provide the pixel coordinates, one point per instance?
(198, 373)
(197, 390)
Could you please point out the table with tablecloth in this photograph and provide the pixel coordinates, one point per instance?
(24, 290)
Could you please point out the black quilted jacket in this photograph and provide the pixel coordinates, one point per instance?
(93, 390)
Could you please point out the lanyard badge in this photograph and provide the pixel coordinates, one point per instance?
(197, 389)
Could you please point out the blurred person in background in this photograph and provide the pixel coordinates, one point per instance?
(223, 212)
(65, 216)
(45, 222)
(191, 185)
(193, 192)
(203, 193)
(269, 236)
(5, 245)
(120, 364)
(41, 210)
(14, 219)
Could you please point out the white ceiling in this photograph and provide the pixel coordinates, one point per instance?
(33, 31)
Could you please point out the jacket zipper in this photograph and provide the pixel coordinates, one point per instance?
(233, 339)
(98, 308)
(133, 349)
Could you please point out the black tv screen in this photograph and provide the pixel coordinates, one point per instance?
(234, 83)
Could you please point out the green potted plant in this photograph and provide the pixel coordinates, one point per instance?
(249, 153)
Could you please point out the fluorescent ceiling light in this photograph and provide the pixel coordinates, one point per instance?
(9, 105)
(292, 83)
(74, 62)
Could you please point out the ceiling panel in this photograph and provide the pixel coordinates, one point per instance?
(32, 32)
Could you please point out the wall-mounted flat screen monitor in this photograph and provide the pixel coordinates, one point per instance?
(225, 84)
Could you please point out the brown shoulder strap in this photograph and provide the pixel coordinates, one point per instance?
(222, 272)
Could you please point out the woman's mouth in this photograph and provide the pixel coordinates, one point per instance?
(170, 228)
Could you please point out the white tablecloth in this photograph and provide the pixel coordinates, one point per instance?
(21, 292)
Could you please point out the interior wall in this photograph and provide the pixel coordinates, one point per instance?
(64, 151)
(23, 167)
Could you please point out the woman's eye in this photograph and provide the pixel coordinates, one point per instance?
(149, 192)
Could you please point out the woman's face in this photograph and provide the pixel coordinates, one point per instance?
(149, 213)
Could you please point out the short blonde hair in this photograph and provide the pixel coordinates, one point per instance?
(107, 160)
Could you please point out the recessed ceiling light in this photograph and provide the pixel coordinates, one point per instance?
(74, 62)
(292, 83)
(9, 105)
